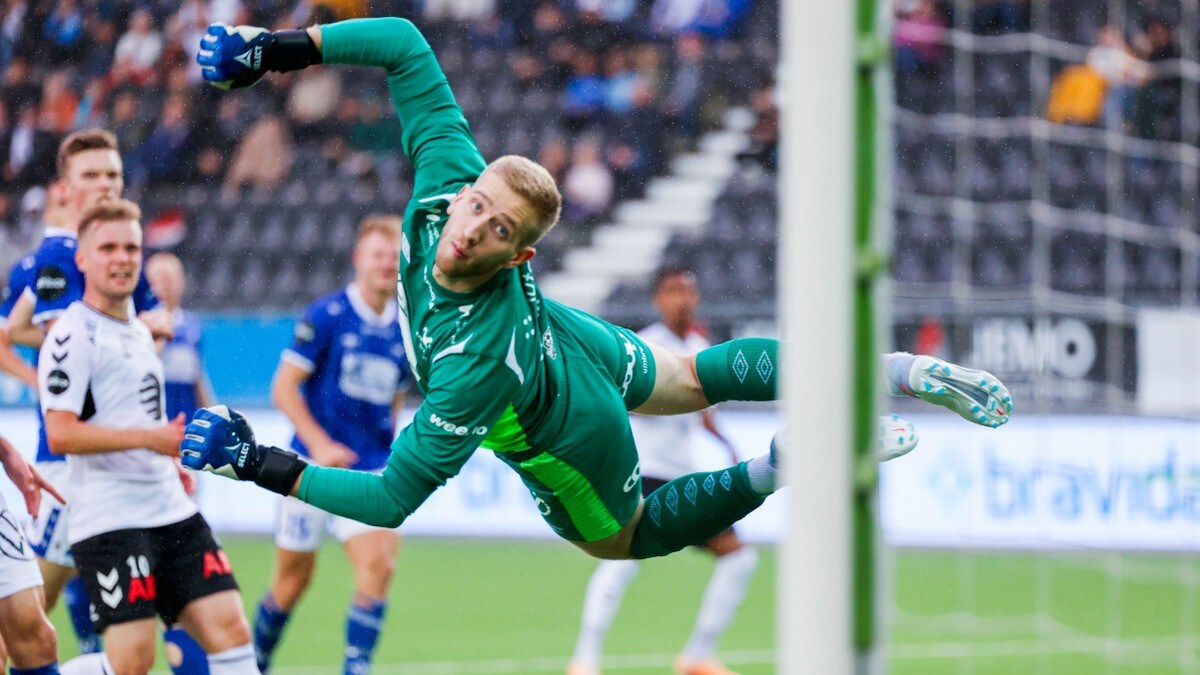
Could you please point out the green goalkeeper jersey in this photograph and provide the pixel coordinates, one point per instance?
(488, 362)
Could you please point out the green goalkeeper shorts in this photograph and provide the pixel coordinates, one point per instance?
(587, 483)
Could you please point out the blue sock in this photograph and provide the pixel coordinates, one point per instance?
(363, 623)
(51, 669)
(268, 628)
(183, 654)
(79, 607)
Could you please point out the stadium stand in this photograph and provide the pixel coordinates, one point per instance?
(287, 165)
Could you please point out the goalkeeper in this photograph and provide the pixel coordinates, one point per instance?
(545, 387)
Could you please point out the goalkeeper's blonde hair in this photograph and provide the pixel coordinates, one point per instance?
(535, 185)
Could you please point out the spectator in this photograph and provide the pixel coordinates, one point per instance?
(138, 49)
(1123, 75)
(130, 127)
(89, 114)
(19, 89)
(59, 103)
(1076, 96)
(554, 157)
(997, 17)
(588, 187)
(682, 105)
(920, 39)
(14, 26)
(164, 152)
(583, 96)
(27, 151)
(620, 81)
(63, 29)
(263, 157)
(1158, 104)
(312, 101)
(101, 45)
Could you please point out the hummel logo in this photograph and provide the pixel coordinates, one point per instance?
(109, 592)
(62, 340)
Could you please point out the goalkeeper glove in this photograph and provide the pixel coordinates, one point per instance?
(235, 57)
(220, 441)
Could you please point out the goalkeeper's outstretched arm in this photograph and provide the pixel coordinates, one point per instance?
(434, 131)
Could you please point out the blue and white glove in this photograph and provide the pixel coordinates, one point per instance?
(235, 57)
(220, 441)
(231, 57)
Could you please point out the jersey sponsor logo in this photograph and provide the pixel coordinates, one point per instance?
(216, 563)
(368, 377)
(450, 427)
(58, 382)
(51, 283)
(150, 393)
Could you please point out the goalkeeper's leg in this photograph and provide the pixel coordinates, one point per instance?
(747, 369)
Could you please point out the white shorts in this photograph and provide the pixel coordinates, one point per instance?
(48, 533)
(18, 569)
(300, 526)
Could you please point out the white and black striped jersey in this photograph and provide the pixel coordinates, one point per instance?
(108, 372)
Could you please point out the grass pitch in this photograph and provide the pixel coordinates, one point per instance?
(468, 606)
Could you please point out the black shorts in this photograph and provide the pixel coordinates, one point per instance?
(135, 574)
(651, 484)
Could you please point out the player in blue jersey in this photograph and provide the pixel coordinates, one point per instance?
(90, 171)
(187, 385)
(341, 384)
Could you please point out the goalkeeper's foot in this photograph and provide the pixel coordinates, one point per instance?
(976, 395)
(897, 437)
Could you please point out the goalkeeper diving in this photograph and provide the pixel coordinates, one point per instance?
(545, 387)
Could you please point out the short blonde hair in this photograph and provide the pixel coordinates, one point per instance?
(388, 225)
(533, 183)
(107, 212)
(81, 141)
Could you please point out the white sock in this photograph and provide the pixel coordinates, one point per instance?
(764, 477)
(604, 593)
(88, 664)
(724, 595)
(897, 368)
(236, 661)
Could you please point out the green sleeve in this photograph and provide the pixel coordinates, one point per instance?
(434, 133)
(467, 395)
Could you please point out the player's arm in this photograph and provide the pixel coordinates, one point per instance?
(710, 425)
(23, 475)
(433, 129)
(12, 363)
(289, 400)
(448, 427)
(66, 434)
(21, 328)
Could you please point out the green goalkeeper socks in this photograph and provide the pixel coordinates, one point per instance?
(739, 370)
(692, 509)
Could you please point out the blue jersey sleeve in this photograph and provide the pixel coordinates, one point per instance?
(144, 298)
(19, 278)
(313, 335)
